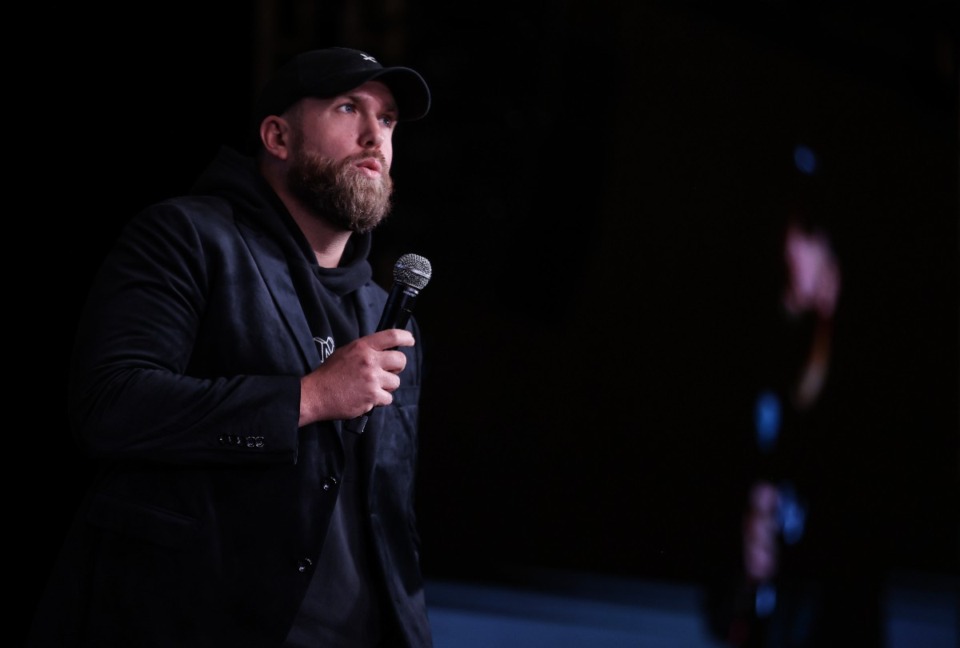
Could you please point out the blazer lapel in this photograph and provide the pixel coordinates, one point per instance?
(277, 276)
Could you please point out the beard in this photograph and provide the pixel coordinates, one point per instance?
(339, 192)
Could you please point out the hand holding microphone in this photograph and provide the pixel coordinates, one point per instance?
(411, 273)
(356, 377)
(362, 374)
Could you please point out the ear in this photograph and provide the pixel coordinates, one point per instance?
(275, 136)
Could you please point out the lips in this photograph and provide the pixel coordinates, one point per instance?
(370, 165)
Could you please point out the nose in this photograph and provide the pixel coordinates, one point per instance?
(371, 132)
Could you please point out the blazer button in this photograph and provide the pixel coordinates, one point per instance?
(328, 483)
(304, 564)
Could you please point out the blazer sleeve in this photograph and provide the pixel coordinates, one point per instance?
(137, 390)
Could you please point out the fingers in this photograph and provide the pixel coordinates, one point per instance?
(356, 378)
(393, 362)
(374, 372)
(390, 338)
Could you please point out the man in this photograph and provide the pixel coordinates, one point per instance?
(226, 344)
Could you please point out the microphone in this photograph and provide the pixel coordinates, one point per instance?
(411, 273)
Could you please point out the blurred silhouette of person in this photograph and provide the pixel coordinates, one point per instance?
(797, 580)
(775, 518)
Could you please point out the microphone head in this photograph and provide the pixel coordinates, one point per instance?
(412, 270)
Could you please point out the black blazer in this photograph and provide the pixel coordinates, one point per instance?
(208, 519)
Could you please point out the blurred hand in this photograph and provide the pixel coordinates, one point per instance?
(813, 273)
(760, 528)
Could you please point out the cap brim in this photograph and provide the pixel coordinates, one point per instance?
(409, 89)
(314, 75)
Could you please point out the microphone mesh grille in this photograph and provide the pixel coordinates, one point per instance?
(412, 270)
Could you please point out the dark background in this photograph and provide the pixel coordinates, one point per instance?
(598, 188)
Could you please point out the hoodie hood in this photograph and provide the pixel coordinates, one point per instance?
(234, 177)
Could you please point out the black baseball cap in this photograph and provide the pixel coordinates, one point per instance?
(328, 72)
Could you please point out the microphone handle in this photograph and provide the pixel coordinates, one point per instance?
(399, 306)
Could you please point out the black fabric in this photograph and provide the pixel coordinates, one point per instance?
(340, 608)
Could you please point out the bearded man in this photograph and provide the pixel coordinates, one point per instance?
(227, 341)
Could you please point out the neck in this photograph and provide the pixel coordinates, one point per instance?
(326, 242)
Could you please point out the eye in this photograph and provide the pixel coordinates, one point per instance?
(388, 120)
(347, 107)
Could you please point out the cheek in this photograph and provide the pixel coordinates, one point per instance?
(335, 142)
(387, 150)
(333, 148)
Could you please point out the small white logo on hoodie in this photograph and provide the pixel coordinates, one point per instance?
(325, 347)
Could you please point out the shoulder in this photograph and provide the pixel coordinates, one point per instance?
(197, 211)
(192, 220)
(187, 231)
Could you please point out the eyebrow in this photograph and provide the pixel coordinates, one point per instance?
(390, 107)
